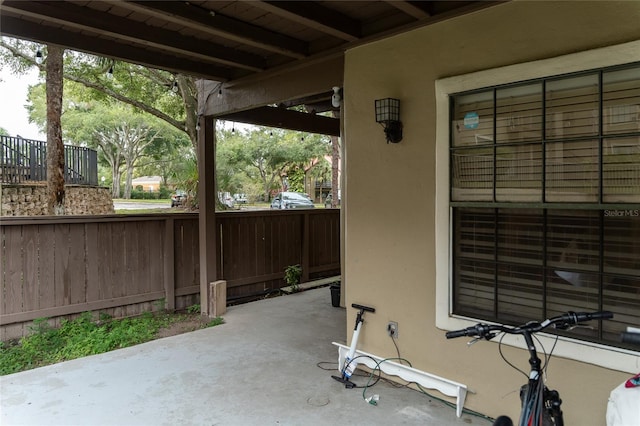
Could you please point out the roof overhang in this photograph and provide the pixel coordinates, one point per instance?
(255, 54)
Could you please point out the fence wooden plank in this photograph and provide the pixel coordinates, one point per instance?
(169, 264)
(121, 269)
(117, 277)
(305, 256)
(13, 297)
(186, 253)
(260, 246)
(77, 266)
(62, 291)
(105, 263)
(46, 257)
(155, 273)
(30, 267)
(146, 241)
(92, 262)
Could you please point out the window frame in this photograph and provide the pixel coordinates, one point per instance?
(571, 348)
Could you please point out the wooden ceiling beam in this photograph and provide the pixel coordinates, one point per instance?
(287, 119)
(134, 32)
(272, 87)
(29, 30)
(195, 17)
(411, 8)
(312, 15)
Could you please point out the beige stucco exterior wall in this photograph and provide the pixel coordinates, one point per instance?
(389, 190)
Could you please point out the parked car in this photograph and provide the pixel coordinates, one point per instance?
(178, 198)
(291, 200)
(240, 198)
(226, 199)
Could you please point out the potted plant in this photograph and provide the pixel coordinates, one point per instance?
(292, 274)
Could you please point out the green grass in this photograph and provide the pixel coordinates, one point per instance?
(81, 337)
(144, 201)
(150, 211)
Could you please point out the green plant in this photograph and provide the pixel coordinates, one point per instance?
(84, 336)
(194, 309)
(215, 321)
(292, 275)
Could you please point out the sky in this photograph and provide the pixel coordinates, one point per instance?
(13, 97)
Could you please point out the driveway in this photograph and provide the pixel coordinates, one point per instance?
(267, 365)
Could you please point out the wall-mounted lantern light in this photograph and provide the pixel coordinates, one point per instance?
(388, 114)
(39, 57)
(335, 98)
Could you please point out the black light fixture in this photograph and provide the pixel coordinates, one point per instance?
(174, 87)
(388, 114)
(110, 72)
(39, 57)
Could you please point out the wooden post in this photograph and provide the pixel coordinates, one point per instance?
(207, 210)
(218, 302)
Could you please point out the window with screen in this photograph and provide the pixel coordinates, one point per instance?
(545, 200)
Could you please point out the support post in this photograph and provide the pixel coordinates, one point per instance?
(207, 209)
(218, 302)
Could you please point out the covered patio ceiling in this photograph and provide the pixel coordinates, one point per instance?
(260, 58)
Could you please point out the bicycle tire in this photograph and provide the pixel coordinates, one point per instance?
(502, 421)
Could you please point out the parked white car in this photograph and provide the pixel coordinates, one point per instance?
(292, 200)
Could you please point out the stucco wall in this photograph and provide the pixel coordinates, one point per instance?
(31, 200)
(390, 190)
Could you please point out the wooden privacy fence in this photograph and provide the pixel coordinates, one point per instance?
(123, 265)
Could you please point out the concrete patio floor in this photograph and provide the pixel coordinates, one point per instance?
(260, 367)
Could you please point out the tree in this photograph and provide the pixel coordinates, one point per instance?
(55, 147)
(268, 155)
(151, 91)
(122, 135)
(145, 89)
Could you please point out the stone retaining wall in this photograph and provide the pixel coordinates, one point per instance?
(31, 200)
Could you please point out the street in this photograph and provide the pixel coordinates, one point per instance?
(139, 205)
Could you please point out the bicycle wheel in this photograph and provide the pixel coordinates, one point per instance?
(502, 421)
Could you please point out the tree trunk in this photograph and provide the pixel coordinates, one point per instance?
(115, 178)
(128, 181)
(335, 163)
(55, 147)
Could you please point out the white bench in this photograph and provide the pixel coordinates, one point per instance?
(426, 380)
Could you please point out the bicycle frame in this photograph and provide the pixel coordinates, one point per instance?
(533, 411)
(540, 406)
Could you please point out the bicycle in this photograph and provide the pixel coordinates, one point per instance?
(540, 405)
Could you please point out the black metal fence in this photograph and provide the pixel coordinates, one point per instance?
(23, 160)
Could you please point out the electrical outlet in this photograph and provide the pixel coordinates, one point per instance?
(392, 329)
